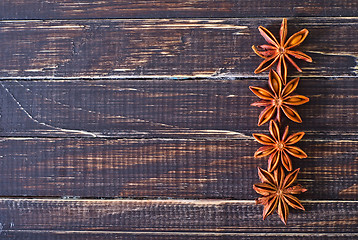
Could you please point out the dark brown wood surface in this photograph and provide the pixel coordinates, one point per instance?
(174, 219)
(169, 108)
(71, 9)
(84, 235)
(177, 48)
(131, 119)
(164, 168)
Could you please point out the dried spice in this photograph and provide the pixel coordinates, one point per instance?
(278, 99)
(277, 185)
(279, 148)
(277, 190)
(280, 52)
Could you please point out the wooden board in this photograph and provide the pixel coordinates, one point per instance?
(174, 218)
(86, 235)
(71, 9)
(165, 168)
(179, 48)
(195, 109)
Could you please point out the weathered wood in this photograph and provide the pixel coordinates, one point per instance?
(65, 9)
(165, 168)
(166, 47)
(139, 133)
(99, 235)
(177, 218)
(168, 108)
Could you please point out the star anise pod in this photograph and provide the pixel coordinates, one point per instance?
(279, 148)
(277, 190)
(279, 52)
(278, 99)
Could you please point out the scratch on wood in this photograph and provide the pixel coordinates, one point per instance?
(242, 135)
(81, 109)
(46, 124)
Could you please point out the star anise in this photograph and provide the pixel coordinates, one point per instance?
(279, 52)
(278, 99)
(279, 148)
(277, 190)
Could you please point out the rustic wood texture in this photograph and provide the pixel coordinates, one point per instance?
(165, 168)
(166, 47)
(70, 9)
(176, 218)
(131, 120)
(195, 109)
(87, 235)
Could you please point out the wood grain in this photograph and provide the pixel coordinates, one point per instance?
(70, 9)
(195, 109)
(149, 100)
(195, 218)
(177, 48)
(98, 235)
(164, 168)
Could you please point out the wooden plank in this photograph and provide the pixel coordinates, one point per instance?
(218, 109)
(67, 9)
(181, 48)
(98, 235)
(177, 218)
(164, 168)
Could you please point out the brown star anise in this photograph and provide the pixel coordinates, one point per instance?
(280, 51)
(279, 148)
(277, 192)
(278, 99)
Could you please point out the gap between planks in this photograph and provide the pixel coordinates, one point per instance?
(186, 139)
(174, 78)
(161, 77)
(176, 18)
(162, 201)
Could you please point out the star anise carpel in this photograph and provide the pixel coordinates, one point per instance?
(279, 148)
(277, 191)
(280, 51)
(278, 98)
